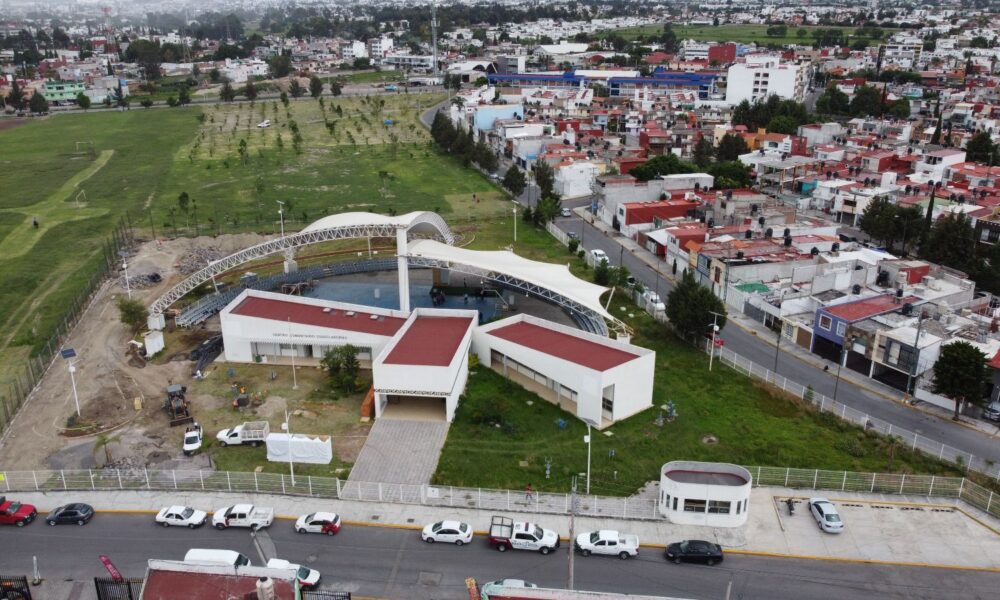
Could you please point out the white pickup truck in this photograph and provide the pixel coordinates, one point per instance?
(243, 515)
(252, 432)
(505, 534)
(607, 542)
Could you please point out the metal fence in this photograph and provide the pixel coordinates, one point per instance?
(14, 587)
(907, 438)
(123, 589)
(28, 376)
(480, 498)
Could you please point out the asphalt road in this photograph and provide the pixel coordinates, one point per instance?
(749, 345)
(394, 563)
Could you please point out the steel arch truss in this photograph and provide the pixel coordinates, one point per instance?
(291, 242)
(547, 294)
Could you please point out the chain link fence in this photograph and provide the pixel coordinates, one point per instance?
(481, 498)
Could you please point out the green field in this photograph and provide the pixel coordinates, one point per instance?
(752, 426)
(143, 159)
(746, 34)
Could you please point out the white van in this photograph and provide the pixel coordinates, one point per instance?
(208, 556)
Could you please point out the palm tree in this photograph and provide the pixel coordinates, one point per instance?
(458, 101)
(103, 442)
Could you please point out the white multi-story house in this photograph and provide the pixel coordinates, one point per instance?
(758, 76)
(379, 47)
(353, 49)
(933, 164)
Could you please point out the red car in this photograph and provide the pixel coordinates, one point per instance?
(15, 513)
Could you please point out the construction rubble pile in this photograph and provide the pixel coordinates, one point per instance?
(198, 258)
(140, 281)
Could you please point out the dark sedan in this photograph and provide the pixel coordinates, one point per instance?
(697, 551)
(77, 513)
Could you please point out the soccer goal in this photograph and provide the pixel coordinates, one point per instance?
(85, 148)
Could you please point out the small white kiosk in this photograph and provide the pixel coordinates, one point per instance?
(701, 493)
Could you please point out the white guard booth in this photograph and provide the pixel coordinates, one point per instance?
(703, 493)
(304, 448)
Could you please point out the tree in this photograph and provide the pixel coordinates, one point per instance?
(936, 136)
(545, 178)
(148, 103)
(782, 124)
(981, 149)
(16, 96)
(730, 174)
(951, 242)
(183, 200)
(341, 364)
(960, 374)
(214, 75)
(335, 88)
(899, 109)
(315, 87)
(280, 66)
(83, 101)
(703, 153)
(295, 88)
(666, 164)
(514, 181)
(132, 313)
(250, 91)
(227, 93)
(548, 209)
(690, 306)
(602, 272)
(103, 442)
(38, 103)
(183, 95)
(833, 102)
(877, 219)
(731, 146)
(867, 101)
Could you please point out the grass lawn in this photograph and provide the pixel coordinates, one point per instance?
(753, 426)
(143, 159)
(742, 33)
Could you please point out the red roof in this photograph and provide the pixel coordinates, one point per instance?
(310, 314)
(170, 585)
(429, 341)
(562, 345)
(869, 307)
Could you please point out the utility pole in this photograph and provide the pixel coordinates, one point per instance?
(572, 534)
(434, 37)
(777, 348)
(281, 216)
(911, 372)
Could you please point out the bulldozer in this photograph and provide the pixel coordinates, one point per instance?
(176, 405)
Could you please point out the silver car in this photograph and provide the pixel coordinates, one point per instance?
(826, 515)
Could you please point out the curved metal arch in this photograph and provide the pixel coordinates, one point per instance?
(605, 323)
(298, 240)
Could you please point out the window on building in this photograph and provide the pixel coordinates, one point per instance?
(675, 503)
(825, 322)
(694, 505)
(667, 503)
(841, 329)
(738, 503)
(718, 507)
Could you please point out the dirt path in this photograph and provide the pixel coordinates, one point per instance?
(107, 384)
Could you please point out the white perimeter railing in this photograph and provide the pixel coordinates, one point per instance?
(906, 437)
(478, 498)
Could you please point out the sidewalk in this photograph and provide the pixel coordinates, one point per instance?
(894, 530)
(765, 335)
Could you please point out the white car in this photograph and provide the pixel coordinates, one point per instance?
(509, 584)
(566, 212)
(264, 124)
(307, 577)
(599, 255)
(826, 515)
(653, 301)
(449, 532)
(192, 439)
(319, 522)
(181, 516)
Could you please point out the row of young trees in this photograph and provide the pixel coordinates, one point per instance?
(462, 144)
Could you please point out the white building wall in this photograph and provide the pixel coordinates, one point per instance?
(676, 494)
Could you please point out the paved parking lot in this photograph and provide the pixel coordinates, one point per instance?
(876, 528)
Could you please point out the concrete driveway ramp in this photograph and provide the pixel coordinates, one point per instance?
(400, 451)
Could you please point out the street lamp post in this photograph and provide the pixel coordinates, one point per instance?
(72, 379)
(715, 331)
(589, 440)
(514, 211)
(840, 365)
(281, 216)
(288, 431)
(128, 287)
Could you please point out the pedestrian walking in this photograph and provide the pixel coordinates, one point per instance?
(528, 492)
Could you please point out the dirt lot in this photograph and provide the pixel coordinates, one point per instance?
(122, 396)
